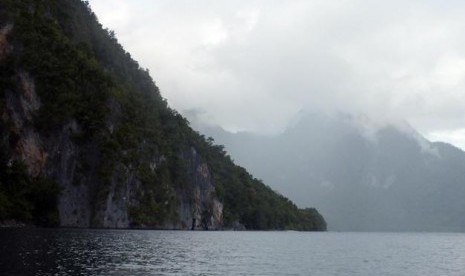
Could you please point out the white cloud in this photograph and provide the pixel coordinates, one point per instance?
(455, 137)
(253, 65)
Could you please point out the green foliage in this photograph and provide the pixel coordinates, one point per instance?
(26, 199)
(157, 199)
(70, 83)
(311, 220)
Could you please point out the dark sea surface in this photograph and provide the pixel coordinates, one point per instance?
(146, 252)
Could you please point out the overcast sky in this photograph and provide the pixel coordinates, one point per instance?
(256, 65)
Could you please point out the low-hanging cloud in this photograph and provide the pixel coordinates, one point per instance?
(254, 65)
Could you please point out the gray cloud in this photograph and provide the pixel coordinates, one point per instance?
(254, 65)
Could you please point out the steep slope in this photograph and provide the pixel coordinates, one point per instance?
(360, 176)
(87, 140)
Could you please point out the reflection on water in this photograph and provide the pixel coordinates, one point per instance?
(139, 252)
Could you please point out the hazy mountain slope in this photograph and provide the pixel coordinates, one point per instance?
(88, 141)
(358, 176)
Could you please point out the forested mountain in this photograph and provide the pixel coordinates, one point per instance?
(88, 141)
(360, 175)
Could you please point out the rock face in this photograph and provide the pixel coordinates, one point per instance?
(20, 108)
(203, 210)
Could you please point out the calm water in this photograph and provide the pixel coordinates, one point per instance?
(137, 252)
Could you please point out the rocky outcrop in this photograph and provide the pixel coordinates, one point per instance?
(121, 192)
(21, 106)
(200, 209)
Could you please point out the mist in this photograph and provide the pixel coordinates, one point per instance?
(255, 65)
(361, 175)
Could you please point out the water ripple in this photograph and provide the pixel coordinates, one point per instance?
(137, 252)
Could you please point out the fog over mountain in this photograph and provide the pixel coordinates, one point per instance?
(252, 65)
(363, 176)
